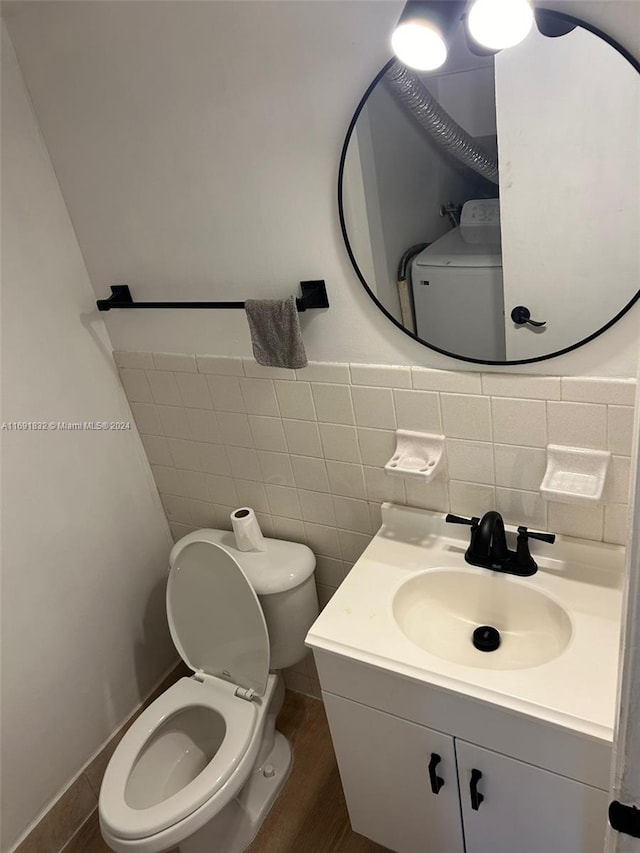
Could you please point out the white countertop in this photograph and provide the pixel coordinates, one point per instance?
(577, 689)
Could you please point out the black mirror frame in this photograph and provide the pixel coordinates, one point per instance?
(560, 16)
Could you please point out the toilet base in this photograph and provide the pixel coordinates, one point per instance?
(235, 827)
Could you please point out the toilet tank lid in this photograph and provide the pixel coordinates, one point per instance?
(282, 566)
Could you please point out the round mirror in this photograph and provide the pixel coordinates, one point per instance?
(491, 208)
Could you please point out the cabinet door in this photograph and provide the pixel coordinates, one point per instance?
(384, 767)
(526, 809)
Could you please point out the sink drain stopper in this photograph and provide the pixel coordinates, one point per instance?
(486, 638)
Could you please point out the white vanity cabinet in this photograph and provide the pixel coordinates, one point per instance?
(384, 766)
(391, 795)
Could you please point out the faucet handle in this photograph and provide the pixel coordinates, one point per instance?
(543, 537)
(457, 519)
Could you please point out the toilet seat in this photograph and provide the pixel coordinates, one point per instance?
(240, 717)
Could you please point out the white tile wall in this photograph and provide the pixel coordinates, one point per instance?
(306, 448)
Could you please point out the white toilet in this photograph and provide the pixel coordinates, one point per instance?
(202, 765)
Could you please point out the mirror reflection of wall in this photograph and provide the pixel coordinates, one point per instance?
(552, 110)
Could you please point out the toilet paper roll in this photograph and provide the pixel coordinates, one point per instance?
(247, 530)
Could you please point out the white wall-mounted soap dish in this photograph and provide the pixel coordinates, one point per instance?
(417, 454)
(574, 475)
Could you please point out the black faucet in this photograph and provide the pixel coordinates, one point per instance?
(488, 547)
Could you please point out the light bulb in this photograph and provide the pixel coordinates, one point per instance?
(497, 24)
(419, 46)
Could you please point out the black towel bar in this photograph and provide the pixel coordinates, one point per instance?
(314, 295)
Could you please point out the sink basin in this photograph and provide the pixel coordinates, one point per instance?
(439, 610)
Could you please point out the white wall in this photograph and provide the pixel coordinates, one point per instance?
(197, 145)
(84, 538)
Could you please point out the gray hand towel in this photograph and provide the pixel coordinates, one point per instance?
(275, 332)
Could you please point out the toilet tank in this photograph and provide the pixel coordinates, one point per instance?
(289, 615)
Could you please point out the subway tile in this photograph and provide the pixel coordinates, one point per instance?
(303, 437)
(268, 433)
(136, 385)
(317, 507)
(222, 490)
(585, 522)
(621, 392)
(146, 418)
(234, 429)
(164, 388)
(522, 507)
(275, 468)
(346, 479)
(333, 403)
(577, 424)
(433, 495)
(134, 360)
(203, 426)
(258, 371)
(221, 365)
(521, 422)
(471, 461)
(616, 524)
(377, 446)
(519, 385)
(381, 487)
(174, 422)
(465, 416)
(157, 449)
(352, 544)
(426, 379)
(375, 514)
(283, 501)
(471, 498)
(178, 362)
(519, 467)
(290, 529)
(194, 485)
(186, 454)
(168, 480)
(340, 442)
(387, 376)
(418, 410)
(322, 540)
(266, 524)
(225, 393)
(298, 682)
(620, 429)
(325, 594)
(374, 407)
(194, 391)
(325, 371)
(329, 571)
(244, 463)
(178, 530)
(177, 509)
(295, 400)
(259, 397)
(618, 480)
(202, 514)
(214, 459)
(352, 514)
(222, 516)
(252, 494)
(310, 473)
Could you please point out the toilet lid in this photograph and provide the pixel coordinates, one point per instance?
(215, 619)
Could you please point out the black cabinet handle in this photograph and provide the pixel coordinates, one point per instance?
(521, 316)
(436, 781)
(476, 797)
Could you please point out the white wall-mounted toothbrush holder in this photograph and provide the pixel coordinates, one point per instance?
(417, 454)
(574, 475)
